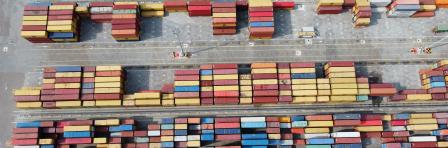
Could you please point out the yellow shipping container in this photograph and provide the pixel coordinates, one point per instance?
(263, 65)
(340, 69)
(422, 121)
(344, 91)
(320, 123)
(217, 15)
(113, 121)
(80, 9)
(264, 70)
(342, 75)
(323, 81)
(35, 18)
(25, 105)
(323, 98)
(206, 77)
(284, 71)
(107, 79)
(186, 83)
(146, 95)
(342, 80)
(284, 119)
(48, 81)
(421, 116)
(246, 100)
(305, 86)
(246, 93)
(225, 77)
(167, 102)
(34, 34)
(343, 98)
(303, 81)
(418, 97)
(274, 136)
(304, 99)
(107, 90)
(387, 117)
(317, 130)
(265, 81)
(108, 85)
(181, 126)
(285, 93)
(362, 21)
(167, 96)
(155, 145)
(195, 101)
(149, 102)
(152, 6)
(304, 92)
(99, 140)
(323, 92)
(369, 128)
(166, 138)
(60, 23)
(125, 3)
(108, 146)
(153, 13)
(68, 74)
(323, 86)
(128, 97)
(260, 4)
(46, 141)
(194, 144)
(66, 104)
(422, 127)
(108, 68)
(363, 91)
(77, 128)
(34, 23)
(108, 103)
(245, 82)
(360, 85)
(342, 86)
(285, 82)
(61, 28)
(128, 102)
(208, 88)
(225, 88)
(62, 7)
(88, 75)
(303, 70)
(245, 88)
(26, 92)
(245, 77)
(442, 144)
(88, 103)
(331, 2)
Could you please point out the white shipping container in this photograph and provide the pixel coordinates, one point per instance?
(180, 138)
(397, 128)
(380, 3)
(194, 137)
(154, 133)
(322, 135)
(29, 146)
(115, 134)
(101, 10)
(286, 142)
(345, 134)
(422, 139)
(253, 119)
(285, 125)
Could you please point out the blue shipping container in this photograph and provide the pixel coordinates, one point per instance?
(255, 146)
(121, 128)
(228, 131)
(437, 79)
(88, 85)
(253, 124)
(206, 72)
(442, 126)
(406, 145)
(167, 120)
(207, 120)
(254, 142)
(167, 126)
(61, 35)
(320, 141)
(254, 136)
(207, 137)
(76, 134)
(27, 124)
(194, 127)
(437, 84)
(141, 139)
(262, 24)
(358, 145)
(180, 132)
(186, 88)
(39, 4)
(298, 118)
(274, 142)
(346, 116)
(167, 144)
(208, 131)
(303, 76)
(46, 146)
(402, 116)
(407, 7)
(68, 69)
(299, 124)
(362, 98)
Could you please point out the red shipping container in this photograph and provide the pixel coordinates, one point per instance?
(299, 142)
(49, 75)
(286, 136)
(154, 126)
(285, 87)
(346, 122)
(107, 96)
(382, 85)
(129, 145)
(64, 3)
(242, 4)
(370, 134)
(47, 86)
(200, 8)
(207, 94)
(174, 3)
(273, 124)
(227, 125)
(49, 104)
(272, 119)
(223, 4)
(264, 76)
(24, 142)
(206, 66)
(36, 8)
(225, 82)
(424, 144)
(207, 126)
(260, 100)
(60, 17)
(25, 136)
(59, 130)
(387, 140)
(398, 123)
(224, 31)
(76, 141)
(102, 129)
(181, 120)
(265, 93)
(371, 117)
(101, 4)
(398, 97)
(362, 80)
(166, 132)
(206, 83)
(285, 98)
(49, 70)
(141, 145)
(66, 91)
(424, 14)
(186, 94)
(25, 130)
(364, 14)
(118, 7)
(180, 144)
(387, 134)
(225, 71)
(261, 19)
(124, 26)
(199, 3)
(393, 145)
(128, 121)
(186, 72)
(347, 140)
(372, 123)
(261, 14)
(207, 101)
(59, 97)
(187, 78)
(341, 64)
(26, 98)
(225, 93)
(224, 10)
(284, 5)
(261, 9)
(33, 27)
(261, 30)
(225, 66)
(108, 73)
(303, 65)
(114, 140)
(427, 2)
(439, 96)
(227, 120)
(127, 134)
(265, 87)
(437, 90)
(319, 117)
(298, 130)
(272, 130)
(87, 97)
(124, 21)
(88, 80)
(401, 134)
(154, 139)
(227, 137)
(227, 100)
(413, 91)
(60, 12)
(401, 139)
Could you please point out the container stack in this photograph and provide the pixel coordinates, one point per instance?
(343, 83)
(421, 125)
(101, 12)
(254, 132)
(108, 86)
(194, 132)
(330, 6)
(186, 87)
(28, 134)
(63, 23)
(148, 98)
(370, 124)
(441, 3)
(383, 89)
(363, 89)
(323, 90)
(34, 25)
(180, 132)
(272, 131)
(175, 5)
(62, 87)
(83, 10)
(125, 21)
(88, 86)
(434, 82)
(349, 136)
(265, 83)
(303, 80)
(167, 95)
(224, 18)
(319, 124)
(362, 12)
(246, 88)
(206, 84)
(403, 8)
(27, 98)
(152, 10)
(427, 9)
(199, 8)
(207, 131)
(285, 87)
(261, 19)
(227, 129)
(167, 132)
(225, 84)
(154, 134)
(286, 137)
(77, 134)
(298, 123)
(397, 133)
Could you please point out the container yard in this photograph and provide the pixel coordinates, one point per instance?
(224, 74)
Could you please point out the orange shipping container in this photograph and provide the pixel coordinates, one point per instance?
(124, 16)
(124, 32)
(263, 65)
